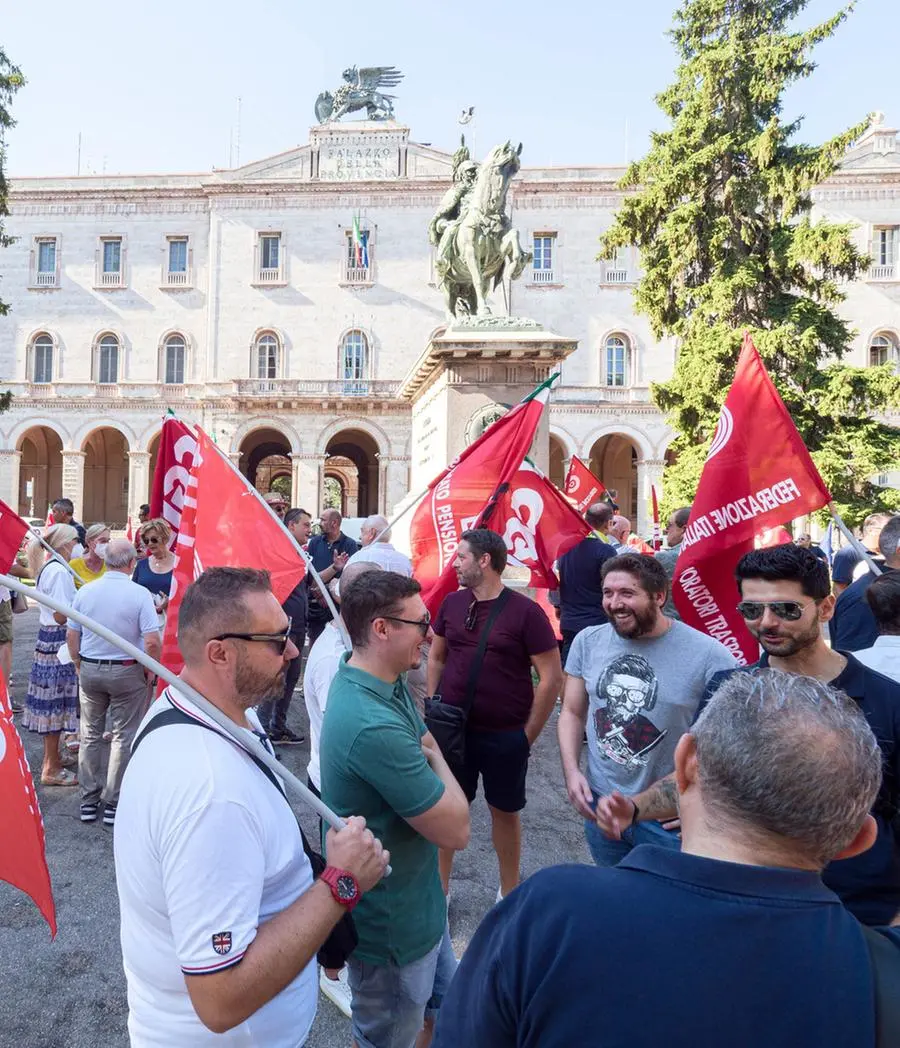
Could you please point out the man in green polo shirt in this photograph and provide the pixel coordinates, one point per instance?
(377, 760)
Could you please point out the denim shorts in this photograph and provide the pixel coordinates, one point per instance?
(607, 852)
(391, 1002)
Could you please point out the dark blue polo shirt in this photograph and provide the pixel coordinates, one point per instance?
(843, 565)
(853, 625)
(869, 884)
(321, 553)
(664, 949)
(580, 588)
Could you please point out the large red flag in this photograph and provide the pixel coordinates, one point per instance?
(758, 474)
(177, 453)
(582, 486)
(22, 859)
(224, 523)
(12, 530)
(457, 497)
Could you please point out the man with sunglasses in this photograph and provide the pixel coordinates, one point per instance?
(785, 600)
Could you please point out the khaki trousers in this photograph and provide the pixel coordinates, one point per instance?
(123, 691)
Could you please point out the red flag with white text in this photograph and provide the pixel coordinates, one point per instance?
(23, 862)
(177, 453)
(224, 523)
(12, 530)
(50, 521)
(582, 486)
(758, 474)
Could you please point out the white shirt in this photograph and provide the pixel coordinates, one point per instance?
(206, 849)
(122, 606)
(385, 556)
(883, 656)
(55, 581)
(321, 667)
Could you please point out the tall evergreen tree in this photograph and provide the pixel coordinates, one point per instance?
(11, 80)
(720, 210)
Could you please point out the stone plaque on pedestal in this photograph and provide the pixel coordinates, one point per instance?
(359, 152)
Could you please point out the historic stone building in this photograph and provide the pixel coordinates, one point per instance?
(243, 300)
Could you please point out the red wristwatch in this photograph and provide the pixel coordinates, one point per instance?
(344, 886)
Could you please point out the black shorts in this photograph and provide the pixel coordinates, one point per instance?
(501, 759)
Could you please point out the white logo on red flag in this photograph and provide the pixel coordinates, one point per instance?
(724, 429)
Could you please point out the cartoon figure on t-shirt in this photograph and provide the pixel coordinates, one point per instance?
(628, 687)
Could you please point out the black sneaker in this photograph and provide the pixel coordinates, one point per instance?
(286, 737)
(89, 812)
(109, 815)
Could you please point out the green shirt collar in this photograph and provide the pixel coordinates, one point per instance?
(362, 679)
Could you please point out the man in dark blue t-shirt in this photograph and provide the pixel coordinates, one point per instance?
(580, 582)
(616, 956)
(329, 553)
(853, 626)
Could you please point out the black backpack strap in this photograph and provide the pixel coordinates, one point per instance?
(885, 959)
(475, 669)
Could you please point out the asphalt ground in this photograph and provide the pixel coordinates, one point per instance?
(70, 993)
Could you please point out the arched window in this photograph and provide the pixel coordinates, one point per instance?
(174, 358)
(616, 363)
(42, 358)
(267, 356)
(355, 362)
(108, 360)
(882, 350)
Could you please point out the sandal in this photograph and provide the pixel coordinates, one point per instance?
(72, 743)
(69, 760)
(64, 778)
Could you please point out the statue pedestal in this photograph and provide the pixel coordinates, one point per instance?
(465, 379)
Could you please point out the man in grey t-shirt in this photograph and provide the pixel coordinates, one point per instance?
(635, 684)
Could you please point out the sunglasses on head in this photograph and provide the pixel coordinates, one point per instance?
(471, 615)
(789, 610)
(278, 640)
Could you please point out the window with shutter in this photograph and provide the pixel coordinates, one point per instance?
(355, 363)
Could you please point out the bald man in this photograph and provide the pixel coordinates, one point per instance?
(375, 535)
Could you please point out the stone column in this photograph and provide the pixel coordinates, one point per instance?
(382, 486)
(10, 461)
(73, 479)
(649, 471)
(305, 484)
(138, 482)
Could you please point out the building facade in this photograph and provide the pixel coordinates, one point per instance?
(246, 301)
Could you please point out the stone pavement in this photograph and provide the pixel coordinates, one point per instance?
(71, 993)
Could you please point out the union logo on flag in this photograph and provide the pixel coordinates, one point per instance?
(221, 942)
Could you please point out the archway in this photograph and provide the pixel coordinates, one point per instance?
(613, 459)
(557, 470)
(41, 468)
(265, 455)
(351, 457)
(105, 478)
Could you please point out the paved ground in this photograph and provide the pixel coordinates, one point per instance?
(71, 993)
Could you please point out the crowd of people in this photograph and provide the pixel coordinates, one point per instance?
(741, 820)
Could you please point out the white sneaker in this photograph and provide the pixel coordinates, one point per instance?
(499, 895)
(336, 990)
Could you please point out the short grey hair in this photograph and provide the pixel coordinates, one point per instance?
(889, 538)
(95, 531)
(788, 756)
(119, 554)
(379, 525)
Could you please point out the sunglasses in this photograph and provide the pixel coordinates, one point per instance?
(471, 615)
(278, 640)
(423, 624)
(789, 610)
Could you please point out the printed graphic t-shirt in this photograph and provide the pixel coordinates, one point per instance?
(643, 695)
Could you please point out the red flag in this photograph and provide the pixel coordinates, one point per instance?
(177, 453)
(129, 531)
(12, 530)
(224, 523)
(50, 521)
(657, 531)
(758, 474)
(23, 862)
(461, 493)
(582, 486)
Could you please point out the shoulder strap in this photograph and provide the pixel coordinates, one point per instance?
(885, 958)
(475, 669)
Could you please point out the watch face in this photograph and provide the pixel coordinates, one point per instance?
(346, 888)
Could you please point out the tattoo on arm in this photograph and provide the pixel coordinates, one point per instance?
(659, 801)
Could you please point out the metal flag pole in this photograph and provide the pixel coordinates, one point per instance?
(854, 541)
(54, 556)
(412, 505)
(243, 737)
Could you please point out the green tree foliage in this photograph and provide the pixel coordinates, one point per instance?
(11, 80)
(720, 210)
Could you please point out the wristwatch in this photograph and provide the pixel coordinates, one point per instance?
(343, 885)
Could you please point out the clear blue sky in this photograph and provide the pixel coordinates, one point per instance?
(153, 86)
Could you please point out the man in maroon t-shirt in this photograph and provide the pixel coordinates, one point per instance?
(507, 713)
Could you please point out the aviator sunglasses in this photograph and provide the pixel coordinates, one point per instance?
(789, 610)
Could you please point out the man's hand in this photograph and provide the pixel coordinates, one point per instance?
(580, 796)
(339, 561)
(614, 814)
(356, 850)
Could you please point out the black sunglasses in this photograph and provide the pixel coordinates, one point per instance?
(423, 624)
(279, 640)
(471, 614)
(789, 610)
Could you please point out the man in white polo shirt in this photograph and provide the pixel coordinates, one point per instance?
(375, 536)
(110, 680)
(220, 917)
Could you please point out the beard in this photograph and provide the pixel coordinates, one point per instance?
(784, 646)
(637, 624)
(253, 687)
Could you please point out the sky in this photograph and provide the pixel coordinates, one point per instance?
(153, 87)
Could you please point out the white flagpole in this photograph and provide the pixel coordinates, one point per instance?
(243, 737)
(854, 541)
(412, 505)
(55, 556)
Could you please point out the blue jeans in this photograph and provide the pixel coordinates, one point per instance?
(606, 852)
(391, 1003)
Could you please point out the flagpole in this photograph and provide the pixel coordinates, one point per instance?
(412, 505)
(854, 541)
(54, 556)
(244, 738)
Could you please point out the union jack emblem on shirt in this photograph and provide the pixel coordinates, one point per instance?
(221, 942)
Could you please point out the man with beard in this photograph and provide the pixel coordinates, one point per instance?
(785, 601)
(641, 677)
(220, 917)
